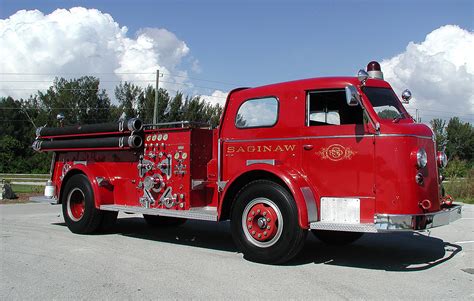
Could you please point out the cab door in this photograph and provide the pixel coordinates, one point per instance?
(338, 157)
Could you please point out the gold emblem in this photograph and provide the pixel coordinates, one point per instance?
(336, 152)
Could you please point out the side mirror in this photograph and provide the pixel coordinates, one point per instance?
(352, 96)
(406, 96)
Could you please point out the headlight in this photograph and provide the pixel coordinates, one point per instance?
(421, 158)
(442, 159)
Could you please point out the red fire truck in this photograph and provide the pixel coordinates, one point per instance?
(339, 156)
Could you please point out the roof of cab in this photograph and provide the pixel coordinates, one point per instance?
(306, 84)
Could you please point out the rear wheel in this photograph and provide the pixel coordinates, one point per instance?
(78, 206)
(338, 238)
(163, 221)
(264, 223)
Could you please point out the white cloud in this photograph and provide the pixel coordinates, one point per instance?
(84, 41)
(439, 71)
(217, 97)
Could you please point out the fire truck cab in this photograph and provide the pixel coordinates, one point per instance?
(339, 156)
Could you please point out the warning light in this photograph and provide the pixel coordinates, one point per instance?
(374, 70)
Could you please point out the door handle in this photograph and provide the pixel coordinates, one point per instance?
(308, 146)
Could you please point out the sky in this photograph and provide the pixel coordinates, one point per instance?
(210, 47)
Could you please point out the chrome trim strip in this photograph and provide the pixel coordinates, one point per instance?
(219, 155)
(202, 213)
(349, 197)
(366, 228)
(397, 222)
(404, 135)
(310, 204)
(79, 162)
(261, 161)
(43, 199)
(307, 108)
(325, 137)
(297, 138)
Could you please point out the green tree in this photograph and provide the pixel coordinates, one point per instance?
(80, 100)
(130, 98)
(439, 128)
(460, 136)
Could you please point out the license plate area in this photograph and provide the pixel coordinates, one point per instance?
(340, 210)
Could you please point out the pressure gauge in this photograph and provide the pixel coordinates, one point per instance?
(160, 136)
(184, 156)
(153, 138)
(165, 137)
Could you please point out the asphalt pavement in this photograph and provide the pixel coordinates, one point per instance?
(40, 259)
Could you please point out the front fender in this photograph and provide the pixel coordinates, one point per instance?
(304, 195)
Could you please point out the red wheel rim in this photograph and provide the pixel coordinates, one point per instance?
(76, 204)
(262, 222)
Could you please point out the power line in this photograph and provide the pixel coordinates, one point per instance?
(117, 73)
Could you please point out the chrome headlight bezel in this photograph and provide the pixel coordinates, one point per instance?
(442, 159)
(421, 158)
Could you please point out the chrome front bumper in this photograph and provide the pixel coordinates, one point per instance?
(398, 222)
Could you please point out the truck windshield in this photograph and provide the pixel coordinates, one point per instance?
(385, 103)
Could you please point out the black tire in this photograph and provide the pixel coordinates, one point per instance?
(337, 238)
(287, 238)
(79, 190)
(163, 221)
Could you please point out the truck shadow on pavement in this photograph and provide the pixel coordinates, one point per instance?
(403, 252)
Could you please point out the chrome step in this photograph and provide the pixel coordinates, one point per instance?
(368, 228)
(200, 213)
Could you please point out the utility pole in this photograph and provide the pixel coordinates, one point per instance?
(155, 109)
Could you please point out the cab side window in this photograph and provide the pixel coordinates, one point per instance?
(329, 107)
(259, 112)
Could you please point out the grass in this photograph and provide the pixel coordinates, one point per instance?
(462, 190)
(16, 176)
(27, 188)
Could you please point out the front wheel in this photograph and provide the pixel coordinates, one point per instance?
(264, 223)
(78, 206)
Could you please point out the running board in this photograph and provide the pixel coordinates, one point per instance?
(367, 228)
(200, 213)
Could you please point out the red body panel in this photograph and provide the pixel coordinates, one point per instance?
(332, 161)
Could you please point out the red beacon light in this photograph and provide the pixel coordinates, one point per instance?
(374, 70)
